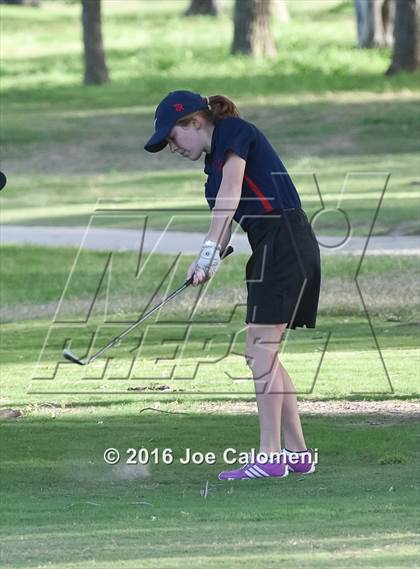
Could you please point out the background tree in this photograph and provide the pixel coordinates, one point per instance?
(375, 22)
(281, 11)
(252, 28)
(406, 56)
(21, 2)
(96, 71)
(204, 7)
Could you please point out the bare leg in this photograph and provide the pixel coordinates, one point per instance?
(261, 356)
(291, 425)
(275, 392)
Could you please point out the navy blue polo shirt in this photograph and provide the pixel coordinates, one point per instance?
(261, 191)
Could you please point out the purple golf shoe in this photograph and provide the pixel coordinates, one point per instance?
(257, 469)
(302, 462)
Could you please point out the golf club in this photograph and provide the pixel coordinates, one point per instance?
(85, 361)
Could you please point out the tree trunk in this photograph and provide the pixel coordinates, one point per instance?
(388, 19)
(204, 7)
(406, 56)
(375, 22)
(96, 71)
(281, 11)
(252, 28)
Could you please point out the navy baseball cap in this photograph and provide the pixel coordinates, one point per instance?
(174, 106)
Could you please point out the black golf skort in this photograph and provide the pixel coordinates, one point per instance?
(283, 274)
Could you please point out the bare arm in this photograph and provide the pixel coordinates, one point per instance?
(225, 206)
(227, 200)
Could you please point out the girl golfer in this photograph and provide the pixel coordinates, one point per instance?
(248, 182)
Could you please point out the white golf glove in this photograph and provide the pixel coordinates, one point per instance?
(209, 259)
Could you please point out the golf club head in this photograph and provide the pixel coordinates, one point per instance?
(72, 358)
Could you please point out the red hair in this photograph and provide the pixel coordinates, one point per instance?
(220, 107)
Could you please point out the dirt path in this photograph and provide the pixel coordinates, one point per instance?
(394, 409)
(176, 241)
(386, 412)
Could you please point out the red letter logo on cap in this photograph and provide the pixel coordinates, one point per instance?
(178, 107)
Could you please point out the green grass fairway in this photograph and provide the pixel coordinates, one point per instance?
(336, 116)
(63, 507)
(173, 346)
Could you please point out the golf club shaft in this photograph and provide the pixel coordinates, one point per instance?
(115, 340)
(138, 322)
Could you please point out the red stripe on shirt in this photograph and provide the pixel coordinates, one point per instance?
(264, 201)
